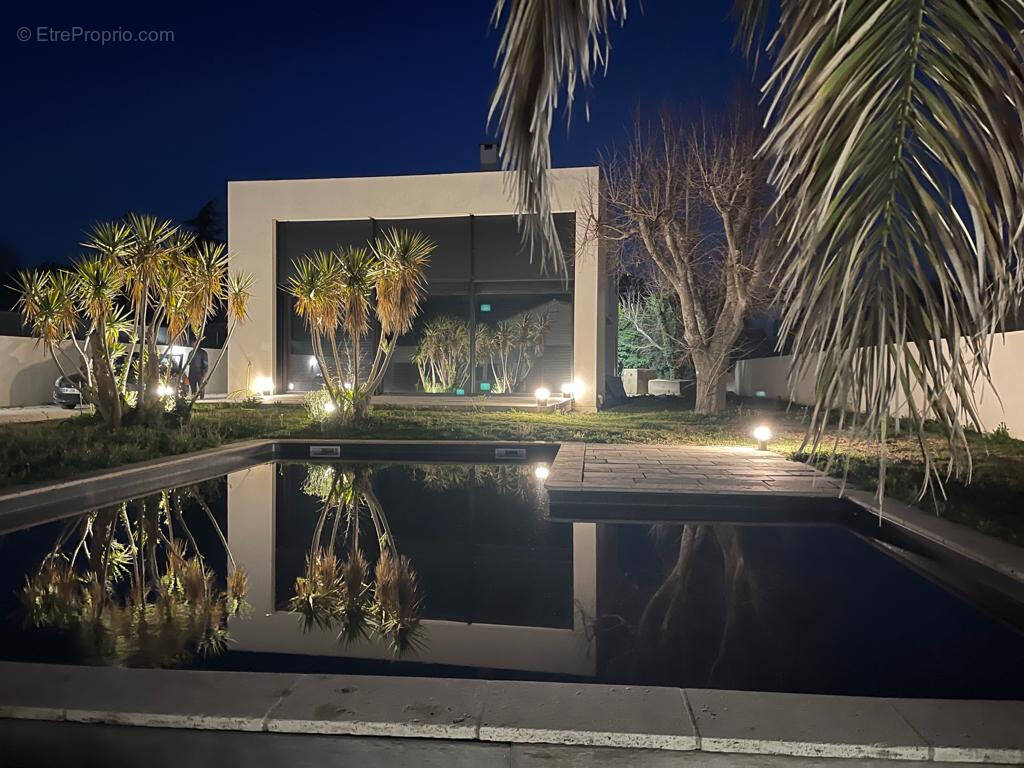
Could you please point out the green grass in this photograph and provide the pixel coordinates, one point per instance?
(992, 503)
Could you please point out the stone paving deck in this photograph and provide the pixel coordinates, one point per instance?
(479, 713)
(699, 478)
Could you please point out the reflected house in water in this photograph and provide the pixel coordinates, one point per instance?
(502, 588)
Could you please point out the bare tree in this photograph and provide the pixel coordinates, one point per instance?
(692, 202)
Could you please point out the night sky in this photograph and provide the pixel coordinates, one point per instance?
(91, 131)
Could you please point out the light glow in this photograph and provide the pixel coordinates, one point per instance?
(164, 390)
(762, 433)
(573, 389)
(330, 407)
(541, 472)
(542, 394)
(263, 385)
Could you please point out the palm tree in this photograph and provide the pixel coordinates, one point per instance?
(898, 165)
(101, 318)
(335, 292)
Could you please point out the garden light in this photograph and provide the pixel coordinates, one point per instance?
(762, 434)
(164, 390)
(541, 472)
(263, 385)
(330, 407)
(542, 394)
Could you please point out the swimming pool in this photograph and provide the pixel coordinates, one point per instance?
(457, 570)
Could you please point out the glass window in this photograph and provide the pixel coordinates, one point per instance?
(450, 259)
(523, 342)
(434, 356)
(499, 252)
(504, 328)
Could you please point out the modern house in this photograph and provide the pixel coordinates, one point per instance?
(480, 274)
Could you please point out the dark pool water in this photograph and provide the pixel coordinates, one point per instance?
(455, 570)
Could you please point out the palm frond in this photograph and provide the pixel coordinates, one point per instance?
(401, 280)
(898, 156)
(545, 43)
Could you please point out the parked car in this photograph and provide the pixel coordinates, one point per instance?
(67, 392)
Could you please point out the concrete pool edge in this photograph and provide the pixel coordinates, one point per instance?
(475, 711)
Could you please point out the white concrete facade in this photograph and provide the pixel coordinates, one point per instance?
(256, 207)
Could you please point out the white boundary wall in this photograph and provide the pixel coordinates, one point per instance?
(27, 372)
(770, 375)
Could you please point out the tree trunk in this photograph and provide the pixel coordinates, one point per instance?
(711, 373)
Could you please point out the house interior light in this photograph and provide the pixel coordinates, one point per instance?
(542, 394)
(263, 385)
(541, 472)
(762, 434)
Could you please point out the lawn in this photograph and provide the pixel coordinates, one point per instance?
(992, 503)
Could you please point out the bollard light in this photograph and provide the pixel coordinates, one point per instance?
(541, 472)
(542, 394)
(762, 434)
(263, 385)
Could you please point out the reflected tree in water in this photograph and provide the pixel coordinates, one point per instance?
(692, 622)
(337, 591)
(516, 481)
(128, 584)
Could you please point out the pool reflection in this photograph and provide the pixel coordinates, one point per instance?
(475, 575)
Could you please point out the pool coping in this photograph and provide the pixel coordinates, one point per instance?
(469, 710)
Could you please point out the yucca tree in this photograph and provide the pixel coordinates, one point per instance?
(335, 294)
(511, 346)
(442, 354)
(898, 164)
(100, 319)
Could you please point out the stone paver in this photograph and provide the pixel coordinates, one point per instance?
(28, 413)
(153, 697)
(803, 725)
(595, 481)
(968, 731)
(381, 706)
(592, 715)
(714, 468)
(557, 756)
